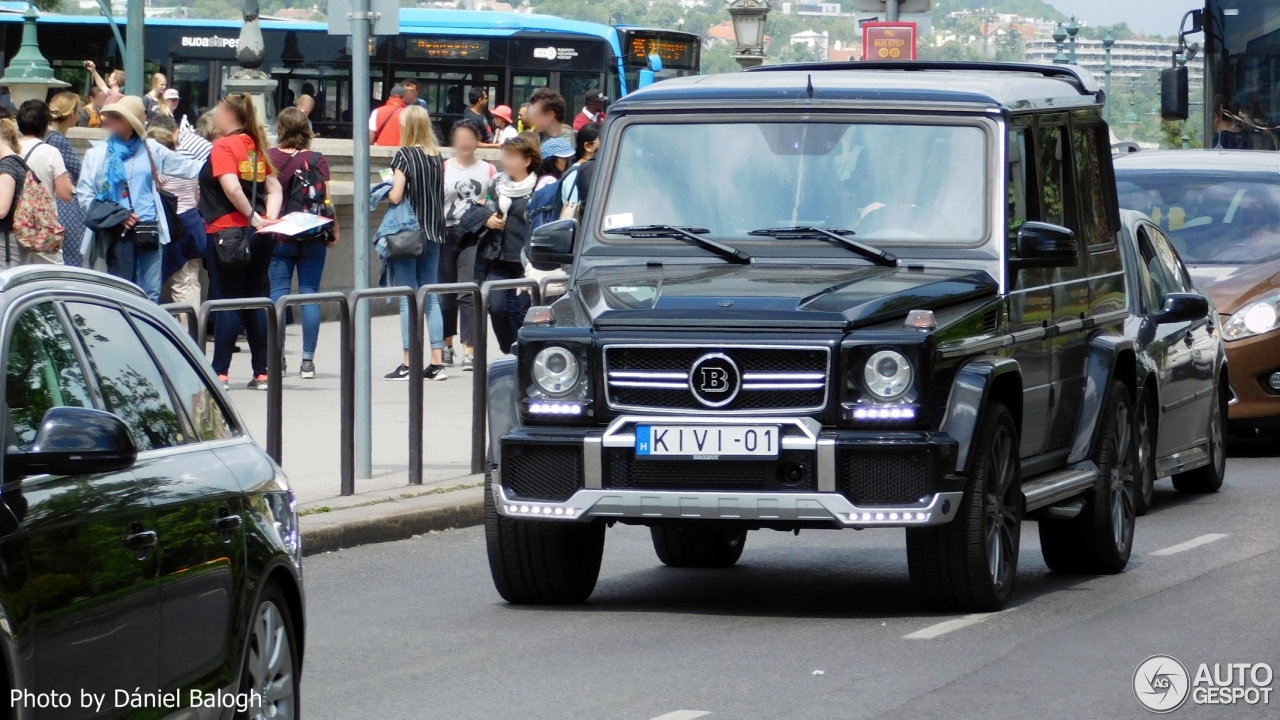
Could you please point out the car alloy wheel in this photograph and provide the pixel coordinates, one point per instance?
(1122, 477)
(1002, 519)
(1144, 489)
(269, 666)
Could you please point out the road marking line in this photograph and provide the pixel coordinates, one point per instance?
(1190, 544)
(947, 626)
(683, 715)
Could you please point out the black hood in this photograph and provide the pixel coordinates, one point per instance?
(791, 296)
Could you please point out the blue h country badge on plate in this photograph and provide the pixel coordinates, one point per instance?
(642, 440)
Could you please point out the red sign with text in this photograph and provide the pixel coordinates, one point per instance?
(888, 41)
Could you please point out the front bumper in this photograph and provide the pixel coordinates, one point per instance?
(1252, 361)
(851, 478)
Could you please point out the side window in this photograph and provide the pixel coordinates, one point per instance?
(1095, 224)
(43, 372)
(1016, 180)
(131, 384)
(1051, 168)
(201, 404)
(1163, 281)
(1169, 258)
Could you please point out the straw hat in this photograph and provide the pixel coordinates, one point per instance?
(130, 108)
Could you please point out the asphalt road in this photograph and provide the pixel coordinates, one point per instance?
(823, 625)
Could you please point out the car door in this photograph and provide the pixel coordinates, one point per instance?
(195, 497)
(92, 583)
(202, 543)
(1198, 338)
(1173, 342)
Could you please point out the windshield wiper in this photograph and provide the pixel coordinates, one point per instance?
(840, 237)
(691, 235)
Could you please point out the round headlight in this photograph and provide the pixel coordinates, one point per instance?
(1260, 318)
(887, 375)
(555, 370)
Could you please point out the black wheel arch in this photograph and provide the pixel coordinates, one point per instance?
(1110, 357)
(978, 382)
(283, 574)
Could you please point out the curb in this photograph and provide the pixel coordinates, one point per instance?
(388, 522)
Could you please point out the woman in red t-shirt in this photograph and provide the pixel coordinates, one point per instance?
(239, 194)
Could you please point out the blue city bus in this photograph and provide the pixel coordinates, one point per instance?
(447, 51)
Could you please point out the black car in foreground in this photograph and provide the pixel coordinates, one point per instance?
(830, 296)
(150, 561)
(1181, 412)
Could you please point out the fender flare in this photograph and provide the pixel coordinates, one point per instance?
(504, 405)
(970, 391)
(1107, 358)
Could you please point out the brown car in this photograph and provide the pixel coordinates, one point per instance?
(1221, 209)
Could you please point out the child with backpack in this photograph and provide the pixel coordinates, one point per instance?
(28, 215)
(304, 175)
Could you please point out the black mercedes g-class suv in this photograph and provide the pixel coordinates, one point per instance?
(829, 296)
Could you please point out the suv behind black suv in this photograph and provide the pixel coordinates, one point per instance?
(826, 296)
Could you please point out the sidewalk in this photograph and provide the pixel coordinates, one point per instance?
(385, 507)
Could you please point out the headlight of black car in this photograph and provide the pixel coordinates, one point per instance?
(284, 517)
(882, 384)
(559, 381)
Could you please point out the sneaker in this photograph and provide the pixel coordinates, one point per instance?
(399, 373)
(226, 382)
(448, 356)
(308, 371)
(468, 362)
(258, 383)
(434, 372)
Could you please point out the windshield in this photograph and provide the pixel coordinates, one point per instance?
(1212, 219)
(886, 183)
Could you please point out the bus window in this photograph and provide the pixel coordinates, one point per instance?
(523, 85)
(192, 81)
(574, 87)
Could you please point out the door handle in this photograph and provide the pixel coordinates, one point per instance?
(227, 523)
(141, 539)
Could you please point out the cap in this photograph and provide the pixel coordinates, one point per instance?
(502, 111)
(397, 91)
(594, 95)
(557, 147)
(172, 94)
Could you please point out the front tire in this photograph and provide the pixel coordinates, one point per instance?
(1208, 479)
(271, 662)
(1100, 538)
(541, 562)
(691, 546)
(970, 563)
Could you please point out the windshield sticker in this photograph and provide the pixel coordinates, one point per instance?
(619, 220)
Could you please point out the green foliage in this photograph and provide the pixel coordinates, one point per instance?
(1173, 133)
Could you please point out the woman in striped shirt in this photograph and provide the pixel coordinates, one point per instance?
(419, 177)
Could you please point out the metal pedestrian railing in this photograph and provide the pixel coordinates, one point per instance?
(197, 324)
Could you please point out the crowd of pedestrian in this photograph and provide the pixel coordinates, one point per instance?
(165, 197)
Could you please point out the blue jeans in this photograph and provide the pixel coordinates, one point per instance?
(307, 258)
(507, 308)
(415, 272)
(139, 268)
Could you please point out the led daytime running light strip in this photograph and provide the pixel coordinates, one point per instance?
(884, 412)
(540, 510)
(863, 517)
(555, 408)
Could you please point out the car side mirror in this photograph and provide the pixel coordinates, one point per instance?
(75, 441)
(553, 243)
(1183, 307)
(1043, 245)
(1175, 103)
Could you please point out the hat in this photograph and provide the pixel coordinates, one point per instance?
(556, 147)
(130, 108)
(172, 94)
(397, 91)
(502, 111)
(594, 95)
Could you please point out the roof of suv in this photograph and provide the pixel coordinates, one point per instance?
(1005, 86)
(1210, 160)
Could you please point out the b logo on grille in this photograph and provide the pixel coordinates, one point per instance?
(715, 380)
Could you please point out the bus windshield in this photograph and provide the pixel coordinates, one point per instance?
(1242, 74)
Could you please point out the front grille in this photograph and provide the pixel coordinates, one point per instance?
(542, 472)
(625, 472)
(773, 379)
(884, 477)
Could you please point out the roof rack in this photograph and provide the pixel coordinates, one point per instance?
(1084, 80)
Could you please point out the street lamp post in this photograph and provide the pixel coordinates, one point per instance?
(29, 75)
(748, 30)
(1107, 43)
(1073, 29)
(1131, 120)
(1060, 37)
(250, 79)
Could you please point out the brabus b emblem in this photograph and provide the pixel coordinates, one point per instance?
(715, 380)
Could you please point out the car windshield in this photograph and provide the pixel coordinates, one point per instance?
(1213, 219)
(889, 184)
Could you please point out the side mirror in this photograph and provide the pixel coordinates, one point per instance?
(655, 62)
(1042, 245)
(552, 243)
(1183, 307)
(76, 441)
(647, 78)
(1175, 103)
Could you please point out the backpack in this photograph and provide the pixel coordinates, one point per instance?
(544, 207)
(307, 189)
(35, 216)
